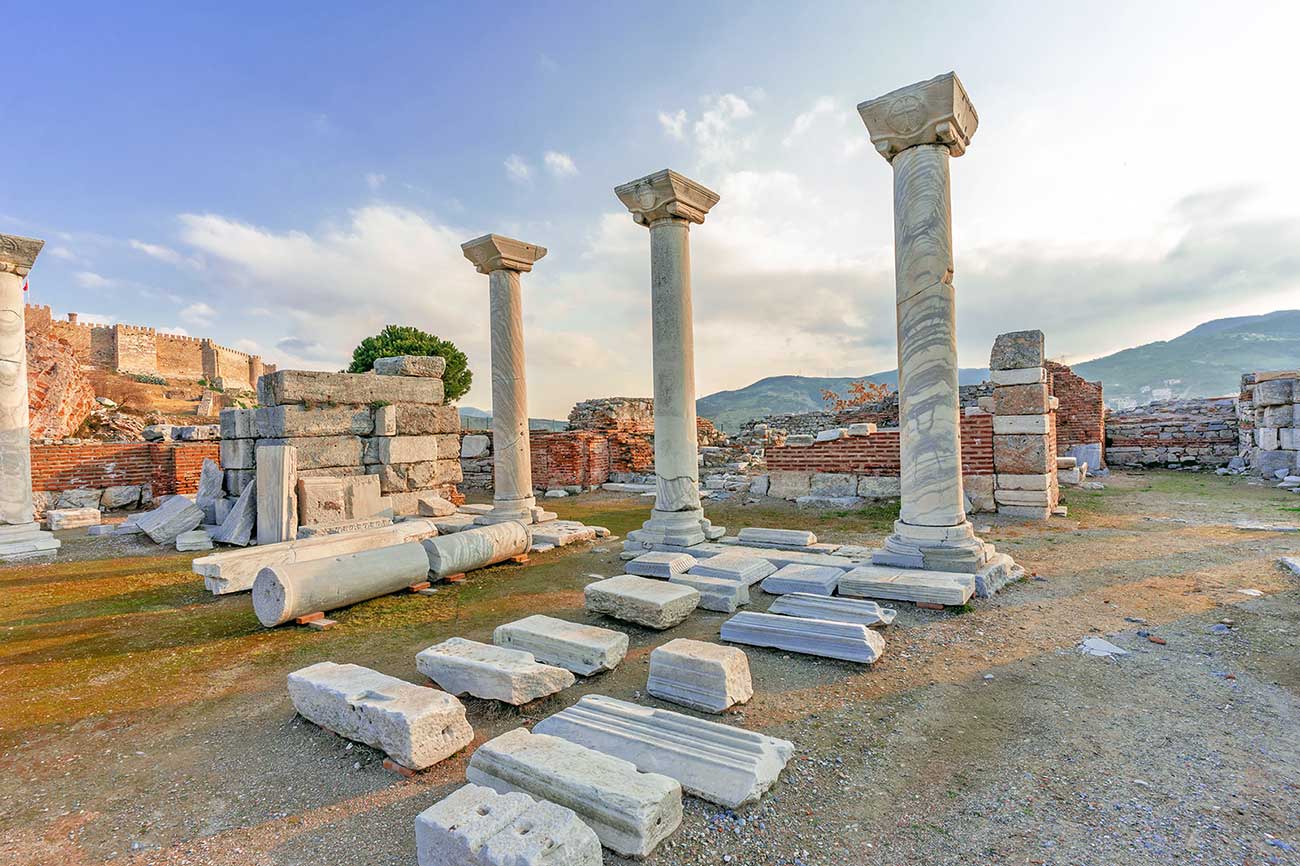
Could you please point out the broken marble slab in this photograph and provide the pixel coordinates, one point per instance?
(474, 508)
(476, 826)
(811, 579)
(556, 534)
(820, 637)
(178, 514)
(462, 667)
(583, 649)
(719, 763)
(241, 521)
(792, 537)
(195, 539)
(748, 570)
(715, 593)
(833, 608)
(652, 603)
(631, 812)
(699, 675)
(415, 726)
(661, 565)
(908, 584)
(71, 518)
(1256, 526)
(1291, 563)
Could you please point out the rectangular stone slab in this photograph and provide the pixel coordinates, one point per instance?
(793, 537)
(415, 726)
(660, 564)
(71, 518)
(908, 584)
(476, 826)
(820, 637)
(178, 514)
(719, 763)
(352, 389)
(496, 673)
(648, 602)
(301, 421)
(748, 570)
(631, 812)
(715, 593)
(813, 579)
(702, 676)
(838, 609)
(583, 649)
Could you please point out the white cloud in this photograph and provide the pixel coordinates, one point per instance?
(198, 313)
(375, 180)
(559, 164)
(674, 125)
(156, 251)
(823, 106)
(92, 280)
(62, 253)
(716, 139)
(179, 332)
(517, 169)
(96, 318)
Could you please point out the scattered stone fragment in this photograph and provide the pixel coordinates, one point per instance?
(748, 570)
(1095, 646)
(719, 763)
(562, 533)
(838, 640)
(661, 564)
(1291, 563)
(715, 593)
(71, 518)
(811, 579)
(415, 726)
(583, 649)
(651, 603)
(630, 811)
(100, 529)
(699, 675)
(837, 609)
(496, 673)
(1256, 526)
(476, 826)
(908, 584)
(794, 537)
(178, 514)
(195, 539)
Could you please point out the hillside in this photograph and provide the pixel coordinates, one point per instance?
(477, 419)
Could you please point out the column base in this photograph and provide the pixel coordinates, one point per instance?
(948, 548)
(506, 510)
(26, 541)
(682, 528)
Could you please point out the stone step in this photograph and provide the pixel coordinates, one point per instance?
(702, 676)
(719, 763)
(661, 565)
(715, 593)
(748, 570)
(908, 584)
(476, 826)
(496, 673)
(833, 608)
(811, 579)
(631, 812)
(642, 600)
(583, 649)
(775, 556)
(800, 537)
(819, 637)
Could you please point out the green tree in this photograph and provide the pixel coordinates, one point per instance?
(406, 340)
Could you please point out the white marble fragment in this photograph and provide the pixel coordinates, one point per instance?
(195, 539)
(833, 608)
(703, 676)
(583, 649)
(661, 564)
(908, 584)
(476, 826)
(648, 602)
(178, 514)
(748, 570)
(71, 518)
(812, 579)
(716, 593)
(820, 637)
(462, 667)
(793, 537)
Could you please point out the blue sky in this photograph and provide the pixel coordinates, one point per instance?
(287, 178)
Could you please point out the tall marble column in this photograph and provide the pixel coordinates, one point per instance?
(503, 260)
(20, 537)
(667, 203)
(917, 129)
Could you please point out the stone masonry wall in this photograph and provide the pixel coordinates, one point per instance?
(1080, 415)
(882, 414)
(1175, 433)
(1271, 402)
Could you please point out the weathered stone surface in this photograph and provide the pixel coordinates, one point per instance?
(277, 476)
(879, 487)
(1022, 376)
(474, 445)
(1037, 481)
(424, 366)
(291, 422)
(1020, 399)
(718, 763)
(288, 590)
(237, 479)
(908, 584)
(120, 496)
(401, 449)
(631, 812)
(476, 826)
(1013, 425)
(748, 570)
(71, 518)
(1275, 392)
(832, 484)
(320, 500)
(354, 389)
(343, 526)
(238, 453)
(176, 515)
(560, 533)
(415, 726)
(716, 593)
(699, 675)
(80, 497)
(1021, 454)
(785, 484)
(241, 521)
(1023, 497)
(476, 548)
(195, 539)
(820, 637)
(320, 452)
(495, 673)
(433, 505)
(239, 424)
(414, 419)
(1017, 350)
(210, 484)
(660, 564)
(813, 579)
(651, 603)
(836, 609)
(415, 477)
(583, 649)
(792, 537)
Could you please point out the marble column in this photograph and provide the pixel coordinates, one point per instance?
(667, 203)
(20, 536)
(503, 260)
(918, 129)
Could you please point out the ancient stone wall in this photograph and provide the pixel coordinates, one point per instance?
(1173, 433)
(1080, 415)
(59, 394)
(171, 467)
(629, 414)
(883, 414)
(135, 349)
(180, 356)
(1270, 406)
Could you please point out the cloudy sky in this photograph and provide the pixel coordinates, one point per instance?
(287, 178)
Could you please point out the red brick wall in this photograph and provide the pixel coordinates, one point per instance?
(561, 459)
(1081, 417)
(170, 468)
(877, 454)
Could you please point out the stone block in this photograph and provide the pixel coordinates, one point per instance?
(235, 480)
(1277, 416)
(289, 422)
(785, 484)
(176, 515)
(1023, 497)
(422, 420)
(474, 445)
(1275, 392)
(277, 476)
(198, 432)
(476, 826)
(1017, 350)
(415, 726)
(788, 537)
(630, 811)
(820, 637)
(321, 452)
(320, 500)
(748, 570)
(703, 676)
(833, 608)
(423, 366)
(661, 564)
(1022, 376)
(158, 432)
(362, 497)
(430, 504)
(1288, 438)
(799, 440)
(238, 424)
(758, 485)
(195, 539)
(496, 673)
(81, 497)
(359, 524)
(1026, 512)
(879, 487)
(979, 492)
(715, 593)
(1020, 399)
(833, 484)
(1022, 455)
(718, 763)
(238, 453)
(1022, 424)
(241, 520)
(814, 579)
(1268, 438)
(1037, 481)
(210, 489)
(647, 602)
(401, 449)
(862, 428)
(410, 477)
(558, 533)
(120, 496)
(908, 584)
(71, 518)
(285, 387)
(385, 420)
(583, 649)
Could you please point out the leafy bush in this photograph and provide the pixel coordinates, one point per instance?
(407, 340)
(149, 379)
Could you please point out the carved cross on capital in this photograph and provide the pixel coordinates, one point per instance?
(18, 254)
(666, 195)
(937, 111)
(497, 253)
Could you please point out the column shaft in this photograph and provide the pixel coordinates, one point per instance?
(512, 488)
(15, 441)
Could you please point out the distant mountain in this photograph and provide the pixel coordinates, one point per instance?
(478, 419)
(777, 395)
(1207, 361)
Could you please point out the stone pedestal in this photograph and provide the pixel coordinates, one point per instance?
(667, 204)
(918, 129)
(20, 536)
(503, 260)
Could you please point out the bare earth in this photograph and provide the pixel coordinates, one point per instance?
(146, 722)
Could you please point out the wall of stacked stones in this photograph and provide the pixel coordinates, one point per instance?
(1197, 432)
(1269, 406)
(163, 468)
(626, 414)
(882, 414)
(1080, 414)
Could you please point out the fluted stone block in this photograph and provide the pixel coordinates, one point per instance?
(647, 602)
(699, 675)
(837, 609)
(476, 826)
(813, 579)
(496, 673)
(583, 649)
(820, 637)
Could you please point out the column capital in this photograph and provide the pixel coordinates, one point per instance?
(666, 195)
(937, 111)
(496, 253)
(17, 254)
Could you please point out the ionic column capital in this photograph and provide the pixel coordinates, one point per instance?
(497, 253)
(18, 254)
(666, 195)
(937, 111)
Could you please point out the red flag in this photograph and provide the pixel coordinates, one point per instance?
(24, 285)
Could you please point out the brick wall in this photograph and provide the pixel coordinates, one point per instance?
(877, 453)
(1081, 416)
(574, 457)
(168, 467)
(1173, 432)
(883, 414)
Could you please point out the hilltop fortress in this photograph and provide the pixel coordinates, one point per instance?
(135, 349)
